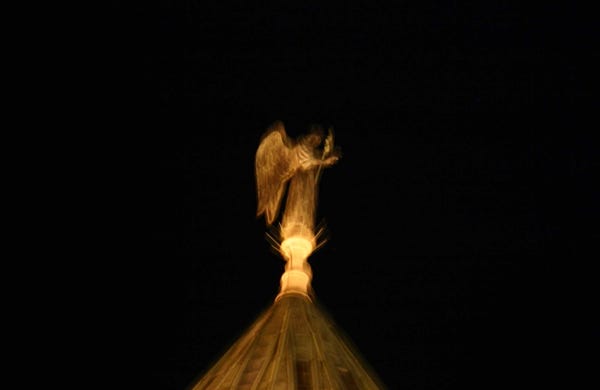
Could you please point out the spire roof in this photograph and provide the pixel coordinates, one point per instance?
(294, 344)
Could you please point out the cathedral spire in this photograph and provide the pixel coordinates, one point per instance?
(294, 344)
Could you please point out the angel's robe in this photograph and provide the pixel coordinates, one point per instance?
(299, 214)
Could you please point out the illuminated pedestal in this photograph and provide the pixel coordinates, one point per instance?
(293, 345)
(297, 275)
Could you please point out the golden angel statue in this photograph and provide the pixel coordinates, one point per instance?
(280, 161)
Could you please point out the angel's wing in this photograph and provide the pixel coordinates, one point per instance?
(275, 165)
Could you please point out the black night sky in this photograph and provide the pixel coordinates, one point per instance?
(463, 182)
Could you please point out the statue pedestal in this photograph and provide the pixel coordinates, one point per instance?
(297, 275)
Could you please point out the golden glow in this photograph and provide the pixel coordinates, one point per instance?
(297, 164)
(294, 344)
(296, 248)
(297, 275)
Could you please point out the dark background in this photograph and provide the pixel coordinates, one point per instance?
(460, 218)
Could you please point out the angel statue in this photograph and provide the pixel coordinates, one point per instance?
(281, 160)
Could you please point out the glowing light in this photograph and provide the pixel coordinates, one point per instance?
(297, 275)
(295, 248)
(294, 344)
(279, 161)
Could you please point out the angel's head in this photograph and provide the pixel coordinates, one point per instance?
(314, 138)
